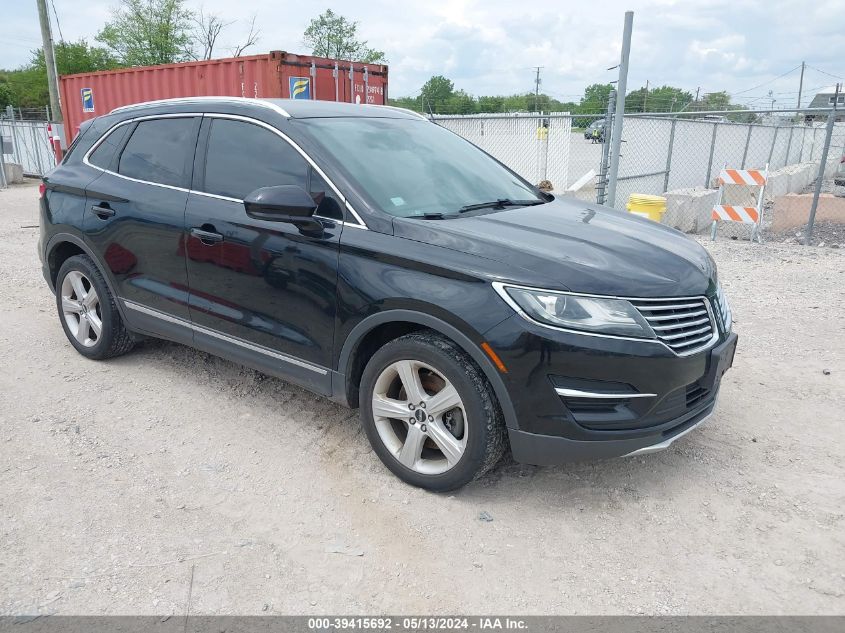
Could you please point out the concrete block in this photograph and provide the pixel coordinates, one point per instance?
(14, 173)
(689, 210)
(778, 184)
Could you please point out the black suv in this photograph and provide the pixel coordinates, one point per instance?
(376, 258)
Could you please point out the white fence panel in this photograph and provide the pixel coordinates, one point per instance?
(31, 145)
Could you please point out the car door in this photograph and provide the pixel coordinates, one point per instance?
(135, 218)
(261, 292)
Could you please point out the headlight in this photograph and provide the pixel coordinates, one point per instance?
(577, 312)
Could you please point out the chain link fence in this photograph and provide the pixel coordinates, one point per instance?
(678, 156)
(27, 143)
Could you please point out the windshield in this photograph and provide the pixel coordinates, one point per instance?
(412, 168)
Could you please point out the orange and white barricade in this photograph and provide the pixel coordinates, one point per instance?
(738, 213)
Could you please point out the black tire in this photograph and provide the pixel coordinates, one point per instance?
(485, 424)
(114, 339)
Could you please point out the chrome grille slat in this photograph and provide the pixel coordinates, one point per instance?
(684, 325)
(676, 326)
(671, 306)
(701, 339)
(666, 317)
(672, 337)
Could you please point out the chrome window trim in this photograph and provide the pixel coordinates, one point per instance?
(131, 305)
(237, 117)
(577, 393)
(500, 288)
(86, 161)
(191, 100)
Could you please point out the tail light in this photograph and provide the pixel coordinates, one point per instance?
(42, 189)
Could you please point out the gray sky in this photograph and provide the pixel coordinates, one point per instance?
(489, 46)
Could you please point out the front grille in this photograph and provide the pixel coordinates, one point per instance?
(685, 325)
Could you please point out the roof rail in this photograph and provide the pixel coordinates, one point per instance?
(189, 100)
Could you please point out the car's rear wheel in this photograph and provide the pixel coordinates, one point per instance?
(88, 311)
(429, 412)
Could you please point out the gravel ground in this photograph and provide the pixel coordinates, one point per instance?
(121, 481)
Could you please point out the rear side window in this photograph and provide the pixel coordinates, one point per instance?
(160, 151)
(105, 153)
(242, 157)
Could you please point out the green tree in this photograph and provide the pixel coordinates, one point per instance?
(332, 35)
(661, 99)
(436, 94)
(595, 99)
(148, 32)
(27, 86)
(76, 57)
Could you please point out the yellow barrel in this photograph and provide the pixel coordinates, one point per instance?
(644, 205)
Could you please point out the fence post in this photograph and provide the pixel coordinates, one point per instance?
(772, 149)
(616, 137)
(601, 184)
(710, 160)
(789, 146)
(15, 144)
(747, 141)
(669, 155)
(829, 133)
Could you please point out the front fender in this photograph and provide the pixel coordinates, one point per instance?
(469, 342)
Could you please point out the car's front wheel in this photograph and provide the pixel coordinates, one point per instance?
(429, 412)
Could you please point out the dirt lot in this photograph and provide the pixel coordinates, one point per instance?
(122, 480)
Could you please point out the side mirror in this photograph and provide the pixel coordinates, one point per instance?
(284, 203)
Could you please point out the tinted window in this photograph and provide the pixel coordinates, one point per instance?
(103, 156)
(243, 157)
(159, 150)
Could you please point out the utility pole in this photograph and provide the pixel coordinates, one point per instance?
(645, 97)
(697, 90)
(801, 84)
(621, 86)
(537, 88)
(49, 60)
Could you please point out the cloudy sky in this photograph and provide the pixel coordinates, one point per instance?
(490, 46)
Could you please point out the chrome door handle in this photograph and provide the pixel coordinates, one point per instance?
(206, 237)
(102, 212)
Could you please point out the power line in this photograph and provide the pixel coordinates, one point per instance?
(824, 72)
(766, 83)
(58, 26)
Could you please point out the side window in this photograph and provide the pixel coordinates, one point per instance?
(242, 157)
(103, 156)
(160, 150)
(328, 205)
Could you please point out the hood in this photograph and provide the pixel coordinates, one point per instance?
(577, 246)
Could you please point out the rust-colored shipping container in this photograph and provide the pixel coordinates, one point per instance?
(277, 75)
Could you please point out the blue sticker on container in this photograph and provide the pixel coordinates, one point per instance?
(87, 99)
(300, 87)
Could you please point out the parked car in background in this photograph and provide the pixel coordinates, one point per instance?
(595, 131)
(378, 259)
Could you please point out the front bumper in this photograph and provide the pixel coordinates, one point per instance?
(669, 394)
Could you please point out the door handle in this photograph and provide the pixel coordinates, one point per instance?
(206, 237)
(102, 211)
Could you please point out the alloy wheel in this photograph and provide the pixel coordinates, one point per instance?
(81, 308)
(420, 417)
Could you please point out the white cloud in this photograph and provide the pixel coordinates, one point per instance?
(490, 46)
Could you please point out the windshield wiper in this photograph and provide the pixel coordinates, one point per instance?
(431, 216)
(501, 203)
